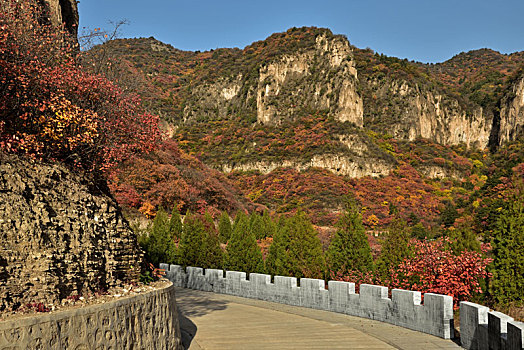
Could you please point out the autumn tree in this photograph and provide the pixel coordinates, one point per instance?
(52, 109)
(349, 249)
(296, 249)
(242, 252)
(434, 268)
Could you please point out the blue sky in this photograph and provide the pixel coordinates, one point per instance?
(421, 30)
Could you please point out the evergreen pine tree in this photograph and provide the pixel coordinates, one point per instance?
(160, 247)
(262, 226)
(175, 224)
(395, 247)
(296, 250)
(213, 255)
(190, 247)
(224, 227)
(463, 238)
(242, 252)
(349, 249)
(507, 282)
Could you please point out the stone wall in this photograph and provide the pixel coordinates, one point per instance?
(60, 234)
(146, 321)
(483, 329)
(404, 309)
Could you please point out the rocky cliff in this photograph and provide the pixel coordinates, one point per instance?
(320, 76)
(62, 12)
(60, 234)
(512, 112)
(408, 111)
(310, 70)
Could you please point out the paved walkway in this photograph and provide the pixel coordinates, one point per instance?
(217, 321)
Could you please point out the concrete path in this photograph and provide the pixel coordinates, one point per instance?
(217, 321)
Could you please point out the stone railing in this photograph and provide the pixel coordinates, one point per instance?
(404, 308)
(483, 329)
(479, 328)
(144, 321)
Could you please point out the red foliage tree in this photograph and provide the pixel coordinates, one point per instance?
(51, 109)
(433, 268)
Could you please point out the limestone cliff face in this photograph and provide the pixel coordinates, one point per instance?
(359, 160)
(512, 112)
(322, 77)
(59, 234)
(409, 112)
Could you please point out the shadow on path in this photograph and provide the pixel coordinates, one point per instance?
(190, 305)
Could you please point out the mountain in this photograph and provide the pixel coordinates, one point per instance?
(307, 99)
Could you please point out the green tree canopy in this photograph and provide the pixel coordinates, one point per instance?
(296, 249)
(224, 227)
(198, 246)
(349, 249)
(507, 283)
(175, 223)
(395, 247)
(242, 252)
(262, 226)
(159, 245)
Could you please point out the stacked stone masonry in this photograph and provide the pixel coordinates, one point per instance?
(146, 321)
(404, 308)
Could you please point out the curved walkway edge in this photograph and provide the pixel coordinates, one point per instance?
(218, 321)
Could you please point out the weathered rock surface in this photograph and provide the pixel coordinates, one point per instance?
(63, 11)
(408, 112)
(60, 234)
(320, 77)
(512, 112)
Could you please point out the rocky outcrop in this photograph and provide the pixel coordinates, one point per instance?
(318, 78)
(408, 112)
(62, 11)
(322, 78)
(340, 164)
(512, 113)
(60, 234)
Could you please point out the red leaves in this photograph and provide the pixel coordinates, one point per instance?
(51, 109)
(433, 268)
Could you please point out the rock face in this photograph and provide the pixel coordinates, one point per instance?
(62, 11)
(320, 77)
(60, 234)
(407, 112)
(512, 112)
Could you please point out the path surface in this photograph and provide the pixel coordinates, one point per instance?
(217, 321)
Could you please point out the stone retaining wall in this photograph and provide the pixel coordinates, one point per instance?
(404, 308)
(145, 321)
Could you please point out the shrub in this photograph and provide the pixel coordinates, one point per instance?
(51, 109)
